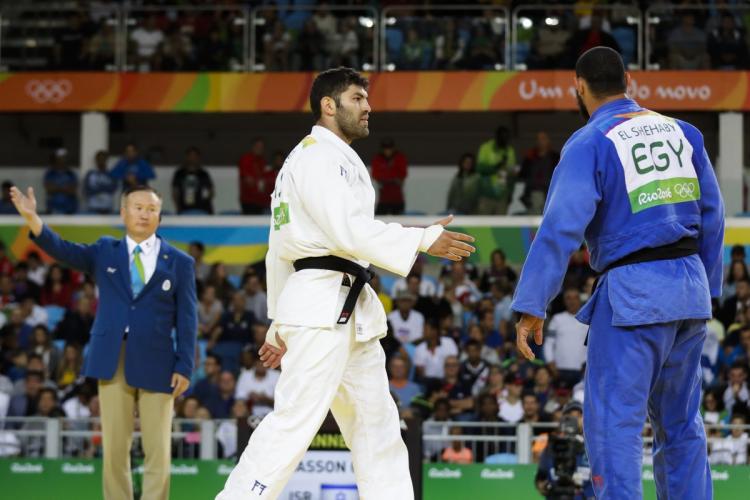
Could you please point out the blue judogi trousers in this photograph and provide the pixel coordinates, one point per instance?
(638, 371)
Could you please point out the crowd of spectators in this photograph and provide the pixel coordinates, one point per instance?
(450, 351)
(311, 36)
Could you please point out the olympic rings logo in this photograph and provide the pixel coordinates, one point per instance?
(685, 190)
(52, 91)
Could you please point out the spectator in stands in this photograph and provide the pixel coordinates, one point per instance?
(549, 45)
(727, 46)
(132, 170)
(495, 383)
(197, 250)
(33, 314)
(326, 23)
(37, 272)
(474, 370)
(496, 164)
(487, 410)
(101, 47)
(431, 354)
(212, 53)
(732, 450)
(450, 46)
(564, 349)
(76, 324)
(536, 172)
(385, 299)
(257, 180)
(218, 279)
(70, 366)
(192, 187)
(587, 38)
(22, 286)
(15, 331)
(542, 384)
(226, 434)
(482, 53)
(310, 48)
(464, 188)
(511, 405)
(415, 52)
(61, 185)
(71, 41)
(234, 331)
(99, 187)
(498, 272)
(488, 354)
(736, 253)
(6, 266)
(737, 271)
(736, 304)
(6, 205)
(176, 52)
(210, 311)
(276, 46)
(7, 292)
(426, 286)
(408, 324)
(57, 289)
(207, 388)
(221, 406)
(348, 50)
(256, 385)
(457, 453)
(145, 43)
(25, 404)
(736, 391)
(436, 424)
(255, 298)
(532, 411)
(41, 345)
(452, 387)
(389, 171)
(687, 45)
(401, 387)
(713, 409)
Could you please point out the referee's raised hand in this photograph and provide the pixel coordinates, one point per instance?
(26, 206)
(451, 245)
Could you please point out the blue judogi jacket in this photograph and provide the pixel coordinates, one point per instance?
(630, 179)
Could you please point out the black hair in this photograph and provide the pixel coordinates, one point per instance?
(332, 83)
(473, 343)
(603, 70)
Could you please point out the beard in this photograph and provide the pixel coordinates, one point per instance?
(582, 107)
(350, 124)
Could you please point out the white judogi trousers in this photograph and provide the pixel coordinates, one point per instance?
(326, 368)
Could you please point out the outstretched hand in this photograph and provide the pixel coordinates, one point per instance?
(451, 245)
(26, 206)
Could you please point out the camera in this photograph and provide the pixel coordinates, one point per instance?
(565, 447)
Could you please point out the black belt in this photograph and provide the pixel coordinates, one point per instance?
(680, 248)
(333, 263)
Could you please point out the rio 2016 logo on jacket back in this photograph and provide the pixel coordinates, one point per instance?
(656, 158)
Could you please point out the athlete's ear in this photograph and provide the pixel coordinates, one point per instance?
(328, 105)
(578, 84)
(627, 81)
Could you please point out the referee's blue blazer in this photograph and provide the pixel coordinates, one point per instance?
(167, 302)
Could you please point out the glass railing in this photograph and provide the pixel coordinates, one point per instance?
(459, 37)
(697, 37)
(313, 38)
(553, 36)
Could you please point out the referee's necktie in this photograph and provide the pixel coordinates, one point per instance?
(137, 275)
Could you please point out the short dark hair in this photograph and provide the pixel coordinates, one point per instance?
(332, 83)
(140, 187)
(473, 343)
(603, 70)
(199, 245)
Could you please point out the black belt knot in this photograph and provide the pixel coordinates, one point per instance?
(333, 263)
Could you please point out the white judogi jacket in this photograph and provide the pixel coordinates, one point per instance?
(324, 204)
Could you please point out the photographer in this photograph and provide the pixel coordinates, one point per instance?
(563, 472)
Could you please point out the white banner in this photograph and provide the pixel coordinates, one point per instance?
(323, 475)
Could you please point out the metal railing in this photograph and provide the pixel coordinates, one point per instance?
(513, 443)
(81, 437)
